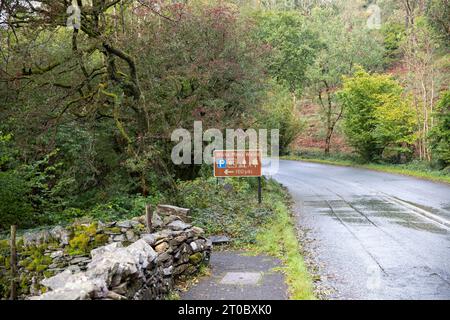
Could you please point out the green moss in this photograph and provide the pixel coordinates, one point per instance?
(173, 295)
(90, 230)
(100, 240)
(24, 263)
(36, 260)
(24, 284)
(48, 274)
(20, 243)
(4, 287)
(141, 228)
(4, 244)
(196, 258)
(7, 263)
(79, 244)
(41, 267)
(31, 258)
(85, 238)
(39, 264)
(113, 230)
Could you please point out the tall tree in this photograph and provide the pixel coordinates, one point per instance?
(109, 92)
(346, 44)
(438, 14)
(294, 47)
(440, 134)
(423, 78)
(378, 118)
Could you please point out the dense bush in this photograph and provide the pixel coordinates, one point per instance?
(119, 208)
(15, 204)
(15, 191)
(229, 207)
(378, 120)
(393, 33)
(278, 113)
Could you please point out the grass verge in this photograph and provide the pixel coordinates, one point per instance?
(432, 175)
(278, 238)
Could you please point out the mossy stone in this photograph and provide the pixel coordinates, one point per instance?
(100, 240)
(196, 258)
(79, 244)
(115, 230)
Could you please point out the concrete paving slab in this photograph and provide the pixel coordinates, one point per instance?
(242, 278)
(236, 276)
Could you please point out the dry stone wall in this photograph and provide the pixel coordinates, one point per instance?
(118, 260)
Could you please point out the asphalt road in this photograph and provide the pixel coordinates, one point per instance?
(375, 235)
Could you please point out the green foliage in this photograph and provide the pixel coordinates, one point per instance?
(119, 208)
(278, 113)
(342, 49)
(438, 15)
(87, 136)
(15, 203)
(394, 34)
(44, 179)
(15, 191)
(113, 142)
(5, 149)
(85, 238)
(39, 263)
(79, 245)
(91, 164)
(205, 67)
(278, 238)
(232, 209)
(124, 207)
(293, 43)
(396, 122)
(377, 117)
(440, 134)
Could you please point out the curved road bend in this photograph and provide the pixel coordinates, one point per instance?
(377, 235)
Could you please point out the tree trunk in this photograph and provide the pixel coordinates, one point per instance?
(328, 142)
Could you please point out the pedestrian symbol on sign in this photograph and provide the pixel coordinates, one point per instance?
(222, 164)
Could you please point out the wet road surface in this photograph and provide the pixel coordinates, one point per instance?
(376, 235)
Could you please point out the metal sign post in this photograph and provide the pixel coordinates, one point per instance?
(259, 191)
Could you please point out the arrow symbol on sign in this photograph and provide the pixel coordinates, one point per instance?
(228, 171)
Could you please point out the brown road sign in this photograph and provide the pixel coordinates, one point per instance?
(237, 163)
